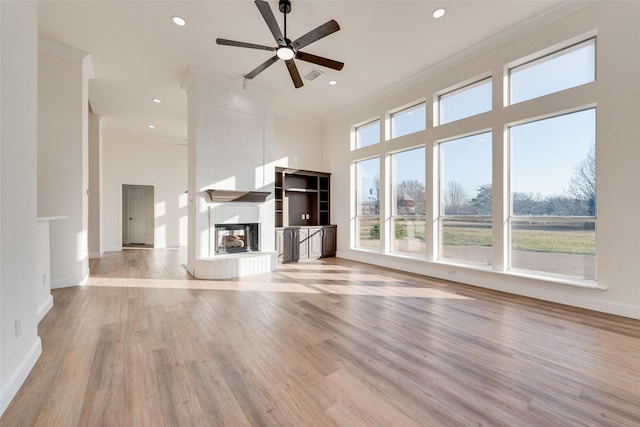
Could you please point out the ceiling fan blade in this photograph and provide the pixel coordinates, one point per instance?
(260, 68)
(293, 71)
(316, 34)
(243, 44)
(267, 15)
(329, 63)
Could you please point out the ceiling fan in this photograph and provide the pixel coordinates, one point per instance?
(286, 49)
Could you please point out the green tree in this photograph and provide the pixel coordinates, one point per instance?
(374, 232)
(481, 203)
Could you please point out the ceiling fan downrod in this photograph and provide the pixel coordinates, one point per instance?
(285, 8)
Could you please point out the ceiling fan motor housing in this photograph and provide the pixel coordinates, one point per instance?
(284, 6)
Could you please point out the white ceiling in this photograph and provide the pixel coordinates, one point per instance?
(139, 54)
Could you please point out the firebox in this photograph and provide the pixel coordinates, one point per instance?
(233, 238)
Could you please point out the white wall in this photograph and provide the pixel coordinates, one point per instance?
(44, 299)
(298, 143)
(132, 159)
(18, 144)
(63, 181)
(95, 187)
(617, 95)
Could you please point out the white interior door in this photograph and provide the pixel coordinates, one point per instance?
(137, 215)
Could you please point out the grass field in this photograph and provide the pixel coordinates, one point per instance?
(550, 240)
(581, 242)
(566, 242)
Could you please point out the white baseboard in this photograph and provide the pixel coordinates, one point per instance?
(69, 282)
(45, 307)
(17, 378)
(95, 255)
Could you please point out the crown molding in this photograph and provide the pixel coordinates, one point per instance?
(60, 51)
(69, 54)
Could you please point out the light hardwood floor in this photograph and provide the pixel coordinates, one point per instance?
(320, 344)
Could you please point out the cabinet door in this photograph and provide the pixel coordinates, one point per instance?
(329, 241)
(315, 242)
(291, 245)
(304, 243)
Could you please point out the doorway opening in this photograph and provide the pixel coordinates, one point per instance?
(138, 216)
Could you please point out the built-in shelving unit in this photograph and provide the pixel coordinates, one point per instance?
(279, 197)
(302, 215)
(323, 200)
(301, 197)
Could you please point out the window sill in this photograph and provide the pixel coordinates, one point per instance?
(550, 278)
(408, 255)
(556, 279)
(368, 251)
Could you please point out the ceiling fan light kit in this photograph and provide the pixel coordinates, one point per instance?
(285, 53)
(286, 49)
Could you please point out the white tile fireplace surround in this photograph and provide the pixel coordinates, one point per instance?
(231, 174)
(239, 264)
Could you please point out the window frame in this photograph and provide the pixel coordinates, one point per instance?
(356, 215)
(468, 84)
(354, 132)
(404, 109)
(442, 216)
(545, 55)
(512, 218)
(391, 232)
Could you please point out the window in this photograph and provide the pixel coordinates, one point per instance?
(368, 134)
(565, 69)
(465, 199)
(468, 101)
(553, 199)
(409, 204)
(536, 166)
(410, 120)
(367, 204)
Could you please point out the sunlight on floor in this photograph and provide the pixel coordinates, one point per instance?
(290, 287)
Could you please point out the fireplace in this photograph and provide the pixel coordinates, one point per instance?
(235, 238)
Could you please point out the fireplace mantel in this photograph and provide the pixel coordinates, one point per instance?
(237, 196)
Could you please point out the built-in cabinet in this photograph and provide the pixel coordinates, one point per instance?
(302, 215)
(300, 243)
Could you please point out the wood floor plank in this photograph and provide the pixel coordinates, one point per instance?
(323, 343)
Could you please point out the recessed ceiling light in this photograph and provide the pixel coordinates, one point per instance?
(157, 101)
(178, 20)
(439, 13)
(332, 82)
(151, 126)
